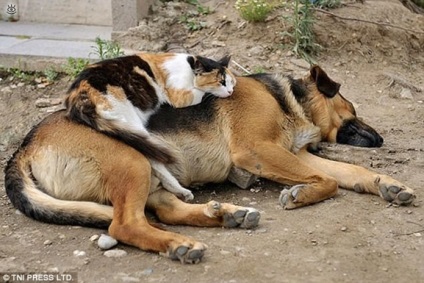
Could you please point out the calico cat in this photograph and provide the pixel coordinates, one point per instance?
(117, 97)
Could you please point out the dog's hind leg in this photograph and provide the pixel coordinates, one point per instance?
(273, 162)
(171, 210)
(361, 180)
(128, 189)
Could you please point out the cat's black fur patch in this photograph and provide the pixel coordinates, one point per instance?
(210, 65)
(170, 119)
(120, 72)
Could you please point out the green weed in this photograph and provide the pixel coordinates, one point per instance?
(192, 19)
(302, 33)
(328, 4)
(107, 49)
(74, 66)
(50, 74)
(254, 10)
(21, 75)
(192, 23)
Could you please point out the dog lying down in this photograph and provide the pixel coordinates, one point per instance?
(67, 173)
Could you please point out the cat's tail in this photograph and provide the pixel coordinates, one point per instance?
(83, 110)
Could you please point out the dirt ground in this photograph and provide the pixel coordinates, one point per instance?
(349, 238)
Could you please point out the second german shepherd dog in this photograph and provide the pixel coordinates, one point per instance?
(68, 173)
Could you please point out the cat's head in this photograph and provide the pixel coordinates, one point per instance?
(213, 77)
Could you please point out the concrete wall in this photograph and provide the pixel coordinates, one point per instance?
(86, 12)
(127, 13)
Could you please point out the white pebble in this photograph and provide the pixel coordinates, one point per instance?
(106, 242)
(47, 242)
(79, 253)
(147, 271)
(94, 238)
(115, 253)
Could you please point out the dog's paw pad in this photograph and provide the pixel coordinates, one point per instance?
(243, 218)
(397, 194)
(288, 197)
(187, 254)
(251, 219)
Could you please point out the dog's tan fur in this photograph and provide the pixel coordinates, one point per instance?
(80, 173)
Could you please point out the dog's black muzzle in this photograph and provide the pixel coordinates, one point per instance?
(354, 132)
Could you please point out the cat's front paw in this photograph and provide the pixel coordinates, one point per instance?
(186, 195)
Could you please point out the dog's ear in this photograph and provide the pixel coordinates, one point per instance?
(325, 85)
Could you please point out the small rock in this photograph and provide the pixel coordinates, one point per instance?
(62, 236)
(53, 269)
(130, 279)
(79, 253)
(245, 199)
(6, 89)
(106, 242)
(47, 243)
(46, 102)
(223, 252)
(409, 211)
(344, 229)
(261, 231)
(147, 271)
(256, 50)
(406, 94)
(94, 238)
(42, 102)
(216, 43)
(18, 212)
(21, 84)
(417, 234)
(115, 253)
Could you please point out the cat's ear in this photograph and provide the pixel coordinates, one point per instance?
(198, 67)
(195, 64)
(225, 61)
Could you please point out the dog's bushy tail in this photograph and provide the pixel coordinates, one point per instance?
(29, 198)
(80, 109)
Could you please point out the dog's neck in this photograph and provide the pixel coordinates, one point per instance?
(299, 87)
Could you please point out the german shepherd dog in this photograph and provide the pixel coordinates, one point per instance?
(68, 173)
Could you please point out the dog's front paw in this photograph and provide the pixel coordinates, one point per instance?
(288, 197)
(393, 191)
(187, 253)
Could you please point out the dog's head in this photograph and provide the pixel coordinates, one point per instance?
(334, 114)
